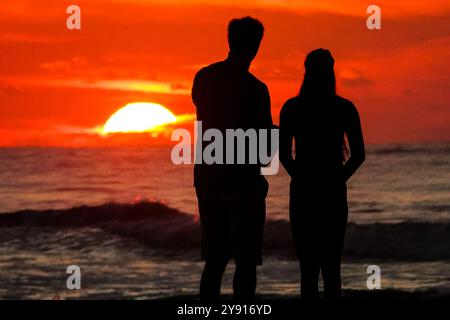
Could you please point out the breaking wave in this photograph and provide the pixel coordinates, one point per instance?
(394, 149)
(165, 229)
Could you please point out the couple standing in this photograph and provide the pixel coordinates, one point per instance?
(231, 198)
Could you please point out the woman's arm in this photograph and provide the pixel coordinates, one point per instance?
(286, 138)
(356, 144)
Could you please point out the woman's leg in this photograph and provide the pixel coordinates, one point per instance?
(304, 235)
(331, 274)
(309, 273)
(333, 245)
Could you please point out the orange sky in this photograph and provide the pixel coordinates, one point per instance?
(56, 84)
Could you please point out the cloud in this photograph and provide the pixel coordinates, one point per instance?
(11, 89)
(69, 65)
(25, 38)
(346, 7)
(131, 85)
(354, 78)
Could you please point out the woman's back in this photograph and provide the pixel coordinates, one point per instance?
(318, 121)
(318, 128)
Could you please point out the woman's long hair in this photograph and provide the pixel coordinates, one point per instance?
(319, 81)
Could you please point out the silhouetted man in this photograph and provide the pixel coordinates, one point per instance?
(231, 197)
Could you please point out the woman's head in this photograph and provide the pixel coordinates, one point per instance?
(319, 80)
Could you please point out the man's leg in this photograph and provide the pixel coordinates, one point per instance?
(247, 224)
(214, 227)
(244, 238)
(244, 283)
(212, 280)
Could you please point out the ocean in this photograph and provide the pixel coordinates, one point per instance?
(128, 218)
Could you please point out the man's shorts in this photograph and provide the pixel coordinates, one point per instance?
(232, 221)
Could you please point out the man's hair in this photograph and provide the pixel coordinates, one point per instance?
(244, 33)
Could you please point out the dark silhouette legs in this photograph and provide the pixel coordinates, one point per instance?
(331, 274)
(232, 223)
(318, 223)
(309, 271)
(244, 282)
(212, 280)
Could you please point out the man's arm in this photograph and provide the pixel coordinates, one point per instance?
(267, 115)
(267, 124)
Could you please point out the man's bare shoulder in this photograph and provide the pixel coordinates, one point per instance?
(257, 83)
(290, 106)
(211, 69)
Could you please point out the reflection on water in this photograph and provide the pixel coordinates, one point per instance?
(34, 266)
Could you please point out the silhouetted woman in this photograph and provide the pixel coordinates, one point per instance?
(319, 121)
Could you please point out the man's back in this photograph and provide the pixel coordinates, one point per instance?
(228, 96)
(231, 197)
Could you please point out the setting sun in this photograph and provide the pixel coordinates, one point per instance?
(138, 117)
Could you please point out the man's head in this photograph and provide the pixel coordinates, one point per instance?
(244, 37)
